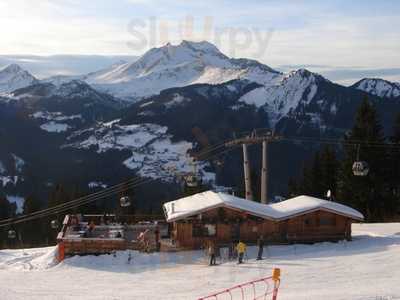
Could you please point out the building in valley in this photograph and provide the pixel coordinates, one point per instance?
(222, 218)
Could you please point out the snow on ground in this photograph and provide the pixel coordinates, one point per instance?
(54, 127)
(19, 163)
(5, 180)
(367, 268)
(154, 154)
(176, 66)
(379, 87)
(55, 122)
(19, 201)
(54, 116)
(285, 95)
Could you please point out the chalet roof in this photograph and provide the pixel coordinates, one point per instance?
(198, 203)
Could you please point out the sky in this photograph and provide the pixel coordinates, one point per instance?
(342, 40)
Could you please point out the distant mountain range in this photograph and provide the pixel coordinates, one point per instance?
(143, 117)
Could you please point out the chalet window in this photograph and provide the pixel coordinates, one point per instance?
(203, 230)
(327, 221)
(307, 222)
(211, 229)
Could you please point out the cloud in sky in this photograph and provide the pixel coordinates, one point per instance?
(334, 33)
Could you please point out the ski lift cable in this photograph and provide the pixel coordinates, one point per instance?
(85, 200)
(41, 214)
(219, 145)
(343, 141)
(115, 188)
(57, 210)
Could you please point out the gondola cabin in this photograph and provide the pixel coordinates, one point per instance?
(224, 219)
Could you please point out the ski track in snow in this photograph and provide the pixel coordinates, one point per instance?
(366, 268)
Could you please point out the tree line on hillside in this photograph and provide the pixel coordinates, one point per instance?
(377, 194)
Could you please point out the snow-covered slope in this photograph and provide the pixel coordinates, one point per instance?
(176, 66)
(285, 95)
(153, 153)
(14, 77)
(379, 87)
(367, 268)
(71, 89)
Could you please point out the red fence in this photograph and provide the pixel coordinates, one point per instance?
(264, 288)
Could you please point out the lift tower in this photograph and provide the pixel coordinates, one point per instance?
(263, 138)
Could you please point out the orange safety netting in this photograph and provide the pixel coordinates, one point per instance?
(264, 288)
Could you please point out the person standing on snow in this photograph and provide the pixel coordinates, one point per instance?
(211, 254)
(260, 244)
(241, 249)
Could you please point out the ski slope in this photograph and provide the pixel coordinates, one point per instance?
(367, 268)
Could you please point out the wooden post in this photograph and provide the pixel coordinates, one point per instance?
(264, 174)
(61, 252)
(276, 277)
(247, 179)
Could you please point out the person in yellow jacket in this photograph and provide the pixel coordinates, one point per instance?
(241, 249)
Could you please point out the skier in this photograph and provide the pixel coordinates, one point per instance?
(211, 254)
(260, 244)
(241, 249)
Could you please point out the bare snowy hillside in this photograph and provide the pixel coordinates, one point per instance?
(379, 87)
(153, 153)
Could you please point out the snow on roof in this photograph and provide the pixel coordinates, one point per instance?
(201, 202)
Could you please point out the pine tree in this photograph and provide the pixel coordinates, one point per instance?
(329, 170)
(32, 231)
(394, 160)
(293, 188)
(7, 210)
(366, 193)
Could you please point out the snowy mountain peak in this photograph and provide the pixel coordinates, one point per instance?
(295, 88)
(378, 87)
(12, 68)
(304, 73)
(172, 56)
(14, 77)
(202, 46)
(176, 66)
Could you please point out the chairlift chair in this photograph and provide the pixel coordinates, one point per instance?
(192, 180)
(54, 224)
(12, 234)
(125, 201)
(360, 168)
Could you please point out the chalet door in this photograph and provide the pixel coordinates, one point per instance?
(235, 231)
(283, 230)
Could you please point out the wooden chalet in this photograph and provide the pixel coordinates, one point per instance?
(223, 218)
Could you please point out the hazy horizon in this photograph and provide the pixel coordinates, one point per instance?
(342, 40)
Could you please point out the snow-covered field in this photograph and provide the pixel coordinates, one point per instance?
(367, 268)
